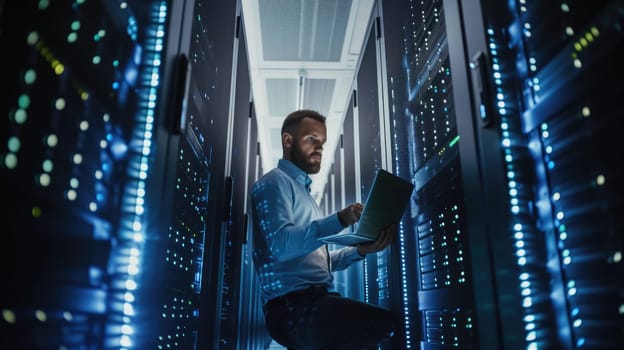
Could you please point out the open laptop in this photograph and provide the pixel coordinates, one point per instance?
(384, 206)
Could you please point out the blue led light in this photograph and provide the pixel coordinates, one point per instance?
(551, 164)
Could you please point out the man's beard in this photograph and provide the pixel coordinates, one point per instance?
(299, 158)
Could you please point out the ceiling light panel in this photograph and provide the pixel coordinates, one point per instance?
(303, 30)
(318, 94)
(281, 95)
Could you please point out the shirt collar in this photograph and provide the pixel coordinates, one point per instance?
(295, 172)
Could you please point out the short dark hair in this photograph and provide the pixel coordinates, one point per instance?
(292, 121)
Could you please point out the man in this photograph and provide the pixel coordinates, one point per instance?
(294, 267)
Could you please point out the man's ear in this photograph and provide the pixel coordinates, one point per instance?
(287, 140)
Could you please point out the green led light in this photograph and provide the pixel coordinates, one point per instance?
(30, 76)
(32, 38)
(23, 101)
(44, 180)
(14, 144)
(20, 116)
(8, 316)
(44, 4)
(10, 161)
(59, 104)
(454, 141)
(47, 166)
(595, 31)
(51, 140)
(72, 37)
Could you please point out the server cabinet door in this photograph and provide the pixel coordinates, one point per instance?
(444, 285)
(189, 255)
(251, 331)
(238, 314)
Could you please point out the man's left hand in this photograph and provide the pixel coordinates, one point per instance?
(385, 238)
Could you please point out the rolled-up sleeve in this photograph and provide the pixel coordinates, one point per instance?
(342, 258)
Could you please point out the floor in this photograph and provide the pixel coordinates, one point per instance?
(275, 346)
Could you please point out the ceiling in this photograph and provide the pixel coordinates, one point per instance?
(303, 54)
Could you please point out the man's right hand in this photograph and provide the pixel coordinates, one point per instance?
(351, 214)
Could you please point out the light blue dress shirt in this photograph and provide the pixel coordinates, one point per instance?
(286, 223)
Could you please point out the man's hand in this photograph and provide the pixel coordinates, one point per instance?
(351, 214)
(385, 238)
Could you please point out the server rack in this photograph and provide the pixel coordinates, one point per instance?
(251, 333)
(82, 102)
(241, 129)
(434, 255)
(370, 151)
(202, 179)
(332, 201)
(114, 163)
(348, 282)
(558, 115)
(513, 242)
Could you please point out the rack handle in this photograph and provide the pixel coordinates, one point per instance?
(181, 86)
(481, 89)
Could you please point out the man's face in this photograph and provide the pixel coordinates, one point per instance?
(307, 146)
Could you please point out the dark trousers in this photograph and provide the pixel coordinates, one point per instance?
(317, 319)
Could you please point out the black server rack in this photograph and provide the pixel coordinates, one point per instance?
(554, 100)
(199, 183)
(434, 255)
(238, 328)
(370, 136)
(250, 331)
(81, 82)
(115, 166)
(511, 115)
(348, 282)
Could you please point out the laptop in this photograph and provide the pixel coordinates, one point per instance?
(384, 206)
